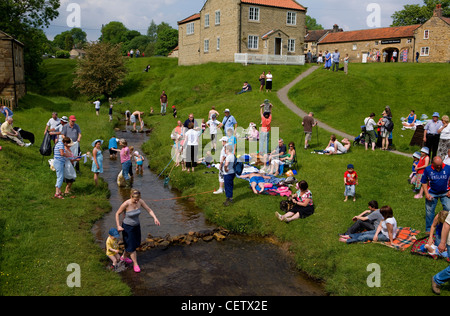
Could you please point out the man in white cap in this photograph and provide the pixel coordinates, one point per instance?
(431, 135)
(229, 121)
(223, 155)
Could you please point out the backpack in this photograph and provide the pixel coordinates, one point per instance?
(46, 146)
(389, 125)
(238, 166)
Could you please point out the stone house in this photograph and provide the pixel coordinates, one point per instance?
(366, 45)
(225, 27)
(431, 40)
(313, 37)
(77, 53)
(12, 70)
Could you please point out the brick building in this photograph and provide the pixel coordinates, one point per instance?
(225, 27)
(12, 70)
(431, 40)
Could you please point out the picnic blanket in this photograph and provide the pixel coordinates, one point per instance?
(406, 237)
(417, 249)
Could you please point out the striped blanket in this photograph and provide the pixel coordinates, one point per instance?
(406, 236)
(416, 249)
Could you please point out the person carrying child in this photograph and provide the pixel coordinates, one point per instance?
(350, 180)
(112, 247)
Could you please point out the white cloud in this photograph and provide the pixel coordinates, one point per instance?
(137, 14)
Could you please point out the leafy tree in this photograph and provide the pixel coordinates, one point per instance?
(23, 20)
(417, 14)
(311, 24)
(101, 71)
(114, 33)
(167, 39)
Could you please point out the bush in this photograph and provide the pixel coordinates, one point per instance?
(62, 54)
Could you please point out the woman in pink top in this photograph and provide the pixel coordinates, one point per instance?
(125, 159)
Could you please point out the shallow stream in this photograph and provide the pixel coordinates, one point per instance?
(233, 267)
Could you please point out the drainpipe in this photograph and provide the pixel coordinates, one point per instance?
(240, 27)
(14, 72)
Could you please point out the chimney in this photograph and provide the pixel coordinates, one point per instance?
(438, 10)
(335, 28)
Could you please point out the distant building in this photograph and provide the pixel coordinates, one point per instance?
(77, 53)
(314, 36)
(225, 27)
(12, 69)
(431, 40)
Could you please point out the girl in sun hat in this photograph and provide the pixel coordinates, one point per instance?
(97, 162)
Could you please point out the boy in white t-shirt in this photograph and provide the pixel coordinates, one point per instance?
(213, 125)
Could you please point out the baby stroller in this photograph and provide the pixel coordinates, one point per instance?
(361, 138)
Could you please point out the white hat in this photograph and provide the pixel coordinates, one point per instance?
(224, 139)
(226, 110)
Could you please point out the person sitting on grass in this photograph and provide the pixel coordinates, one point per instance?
(386, 230)
(245, 88)
(256, 180)
(303, 204)
(367, 220)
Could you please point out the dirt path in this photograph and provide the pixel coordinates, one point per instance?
(283, 96)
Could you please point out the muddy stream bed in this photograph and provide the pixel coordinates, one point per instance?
(236, 266)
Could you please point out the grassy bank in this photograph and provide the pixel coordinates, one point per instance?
(343, 101)
(314, 241)
(41, 236)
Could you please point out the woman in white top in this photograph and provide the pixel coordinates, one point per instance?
(444, 140)
(369, 123)
(387, 229)
(191, 146)
(228, 174)
(269, 82)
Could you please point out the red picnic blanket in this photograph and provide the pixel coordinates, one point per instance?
(406, 236)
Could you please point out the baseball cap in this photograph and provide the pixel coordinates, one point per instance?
(350, 166)
(72, 118)
(226, 110)
(114, 232)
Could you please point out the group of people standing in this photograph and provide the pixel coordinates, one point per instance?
(265, 80)
(331, 60)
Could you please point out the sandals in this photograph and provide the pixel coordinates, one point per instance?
(58, 196)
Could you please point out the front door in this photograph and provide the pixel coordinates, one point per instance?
(278, 46)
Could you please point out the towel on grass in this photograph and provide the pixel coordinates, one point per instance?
(406, 236)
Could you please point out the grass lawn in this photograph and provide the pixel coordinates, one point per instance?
(45, 235)
(343, 101)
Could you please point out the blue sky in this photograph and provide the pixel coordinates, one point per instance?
(137, 14)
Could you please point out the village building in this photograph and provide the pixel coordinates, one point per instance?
(430, 40)
(77, 53)
(223, 28)
(12, 70)
(313, 37)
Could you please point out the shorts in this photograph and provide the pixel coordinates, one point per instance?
(384, 133)
(370, 135)
(308, 136)
(349, 190)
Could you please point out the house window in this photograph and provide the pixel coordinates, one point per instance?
(424, 51)
(190, 28)
(253, 42)
(355, 47)
(291, 45)
(253, 14)
(291, 18)
(409, 41)
(426, 34)
(207, 20)
(217, 21)
(206, 46)
(218, 43)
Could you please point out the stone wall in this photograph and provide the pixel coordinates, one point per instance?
(438, 41)
(11, 63)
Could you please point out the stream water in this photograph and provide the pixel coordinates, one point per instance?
(235, 266)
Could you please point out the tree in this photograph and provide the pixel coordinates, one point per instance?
(23, 20)
(101, 71)
(311, 24)
(417, 14)
(114, 33)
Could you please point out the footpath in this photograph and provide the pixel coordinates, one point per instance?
(283, 96)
